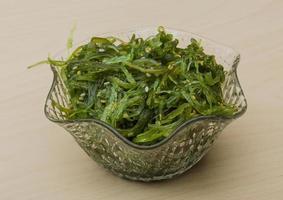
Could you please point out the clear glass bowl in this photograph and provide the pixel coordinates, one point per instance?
(173, 155)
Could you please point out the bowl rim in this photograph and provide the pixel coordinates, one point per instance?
(188, 122)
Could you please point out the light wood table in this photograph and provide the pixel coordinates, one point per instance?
(39, 160)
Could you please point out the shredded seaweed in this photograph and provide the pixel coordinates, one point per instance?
(144, 87)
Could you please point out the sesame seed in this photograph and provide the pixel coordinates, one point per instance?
(146, 89)
(147, 49)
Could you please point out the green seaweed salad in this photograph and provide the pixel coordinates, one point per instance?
(144, 88)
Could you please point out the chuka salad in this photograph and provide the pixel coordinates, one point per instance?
(145, 87)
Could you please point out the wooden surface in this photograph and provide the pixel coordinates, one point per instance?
(39, 160)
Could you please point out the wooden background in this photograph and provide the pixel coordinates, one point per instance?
(39, 160)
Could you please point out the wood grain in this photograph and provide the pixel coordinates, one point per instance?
(39, 160)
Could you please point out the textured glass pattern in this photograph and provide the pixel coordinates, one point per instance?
(172, 156)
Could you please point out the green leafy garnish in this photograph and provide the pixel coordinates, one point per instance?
(145, 88)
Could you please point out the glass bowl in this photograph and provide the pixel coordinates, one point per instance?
(171, 156)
